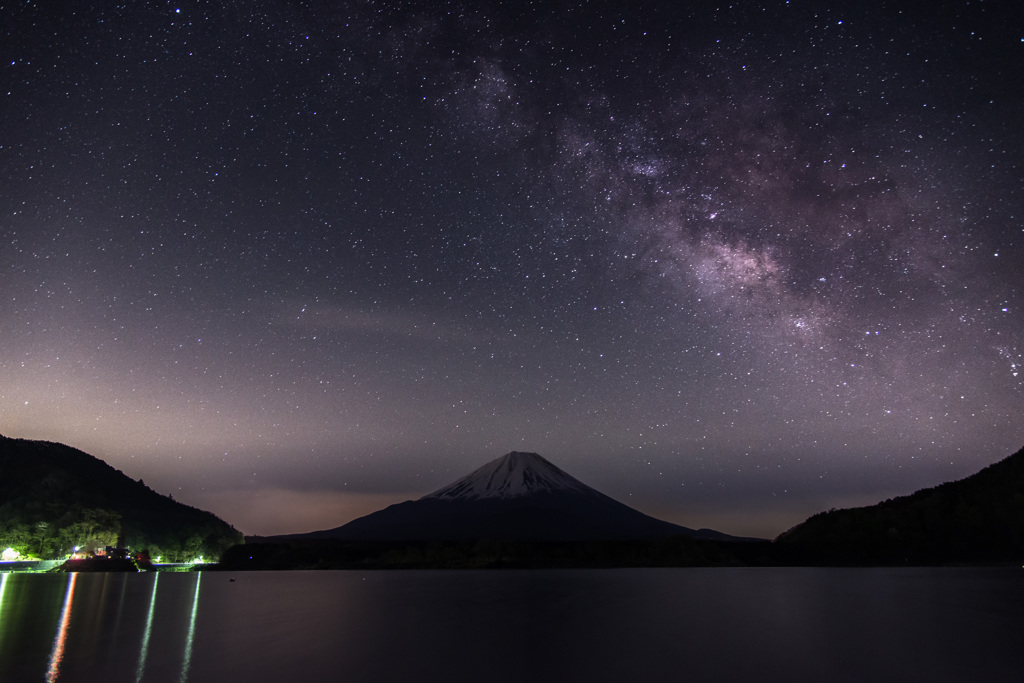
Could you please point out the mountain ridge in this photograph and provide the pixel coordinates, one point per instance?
(54, 497)
(519, 496)
(979, 518)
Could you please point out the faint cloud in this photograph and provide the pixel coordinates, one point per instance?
(273, 511)
(390, 324)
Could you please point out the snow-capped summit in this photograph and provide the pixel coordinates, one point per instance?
(511, 476)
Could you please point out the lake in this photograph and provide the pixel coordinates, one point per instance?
(763, 624)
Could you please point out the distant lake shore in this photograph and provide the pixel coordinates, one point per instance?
(302, 554)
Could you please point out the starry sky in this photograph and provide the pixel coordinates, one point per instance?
(731, 264)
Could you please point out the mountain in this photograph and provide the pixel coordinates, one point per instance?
(54, 497)
(519, 496)
(975, 520)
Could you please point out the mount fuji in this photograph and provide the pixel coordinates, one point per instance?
(519, 496)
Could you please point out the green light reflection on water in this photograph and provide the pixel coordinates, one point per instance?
(144, 649)
(3, 587)
(186, 662)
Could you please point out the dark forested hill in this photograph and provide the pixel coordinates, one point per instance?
(976, 520)
(54, 497)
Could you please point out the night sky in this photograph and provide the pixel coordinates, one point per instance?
(730, 264)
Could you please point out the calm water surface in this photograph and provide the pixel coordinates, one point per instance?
(586, 625)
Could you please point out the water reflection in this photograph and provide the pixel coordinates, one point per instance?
(186, 660)
(789, 625)
(57, 654)
(3, 619)
(144, 649)
(147, 633)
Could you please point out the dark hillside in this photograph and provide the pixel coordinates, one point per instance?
(976, 520)
(54, 497)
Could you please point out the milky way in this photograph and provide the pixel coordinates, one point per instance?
(729, 265)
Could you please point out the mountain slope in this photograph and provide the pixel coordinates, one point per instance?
(979, 519)
(54, 497)
(519, 496)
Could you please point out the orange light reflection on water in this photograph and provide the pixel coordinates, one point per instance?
(57, 654)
